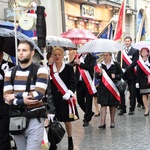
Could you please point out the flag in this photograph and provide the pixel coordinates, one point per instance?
(120, 24)
(45, 140)
(107, 32)
(141, 26)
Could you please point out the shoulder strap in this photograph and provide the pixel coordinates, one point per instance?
(13, 73)
(35, 70)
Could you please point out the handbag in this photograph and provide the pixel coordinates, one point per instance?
(17, 125)
(121, 85)
(56, 132)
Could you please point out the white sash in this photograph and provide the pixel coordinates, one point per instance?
(127, 60)
(143, 66)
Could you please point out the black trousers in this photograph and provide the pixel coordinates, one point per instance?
(84, 100)
(139, 97)
(4, 127)
(123, 101)
(132, 91)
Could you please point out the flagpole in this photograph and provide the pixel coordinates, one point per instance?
(123, 33)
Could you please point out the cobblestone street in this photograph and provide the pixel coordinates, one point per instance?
(131, 132)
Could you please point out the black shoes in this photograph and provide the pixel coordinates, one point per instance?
(102, 126)
(70, 143)
(85, 124)
(97, 115)
(139, 105)
(131, 112)
(122, 112)
(146, 114)
(112, 125)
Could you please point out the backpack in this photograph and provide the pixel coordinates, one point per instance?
(34, 75)
(48, 99)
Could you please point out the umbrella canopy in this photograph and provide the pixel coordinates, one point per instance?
(141, 44)
(58, 41)
(100, 45)
(79, 36)
(7, 41)
(6, 24)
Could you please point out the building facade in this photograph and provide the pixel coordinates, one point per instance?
(93, 15)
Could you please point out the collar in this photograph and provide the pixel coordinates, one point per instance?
(61, 69)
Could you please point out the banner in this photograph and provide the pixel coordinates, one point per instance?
(120, 24)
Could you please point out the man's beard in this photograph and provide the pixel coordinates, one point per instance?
(24, 61)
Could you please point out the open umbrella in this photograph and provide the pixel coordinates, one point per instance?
(100, 45)
(58, 41)
(141, 44)
(6, 24)
(79, 36)
(7, 41)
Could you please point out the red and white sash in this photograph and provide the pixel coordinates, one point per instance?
(127, 60)
(87, 79)
(110, 85)
(63, 89)
(143, 66)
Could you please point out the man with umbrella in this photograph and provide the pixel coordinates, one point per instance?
(130, 56)
(4, 108)
(85, 89)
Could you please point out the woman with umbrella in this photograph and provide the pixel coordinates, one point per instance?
(108, 72)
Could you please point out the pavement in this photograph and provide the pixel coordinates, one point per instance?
(131, 132)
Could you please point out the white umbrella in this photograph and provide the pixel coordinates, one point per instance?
(58, 41)
(100, 45)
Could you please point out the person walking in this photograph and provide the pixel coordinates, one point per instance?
(15, 94)
(4, 108)
(63, 84)
(85, 87)
(108, 95)
(143, 77)
(130, 57)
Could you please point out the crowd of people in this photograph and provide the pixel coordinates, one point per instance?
(65, 80)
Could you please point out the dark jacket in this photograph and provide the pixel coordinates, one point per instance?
(134, 56)
(88, 65)
(105, 97)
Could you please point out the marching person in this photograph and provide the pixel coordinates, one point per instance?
(108, 72)
(63, 84)
(130, 57)
(4, 108)
(143, 77)
(15, 94)
(85, 88)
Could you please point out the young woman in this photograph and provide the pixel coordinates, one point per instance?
(143, 74)
(63, 84)
(110, 71)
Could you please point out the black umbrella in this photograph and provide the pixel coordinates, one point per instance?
(7, 42)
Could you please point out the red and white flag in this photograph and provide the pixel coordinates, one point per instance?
(121, 20)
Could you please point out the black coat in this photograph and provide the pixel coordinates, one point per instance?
(105, 97)
(134, 56)
(88, 65)
(61, 106)
(142, 79)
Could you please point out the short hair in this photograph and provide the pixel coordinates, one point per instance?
(49, 54)
(128, 37)
(57, 48)
(144, 48)
(28, 43)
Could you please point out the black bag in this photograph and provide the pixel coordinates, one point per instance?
(56, 132)
(121, 85)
